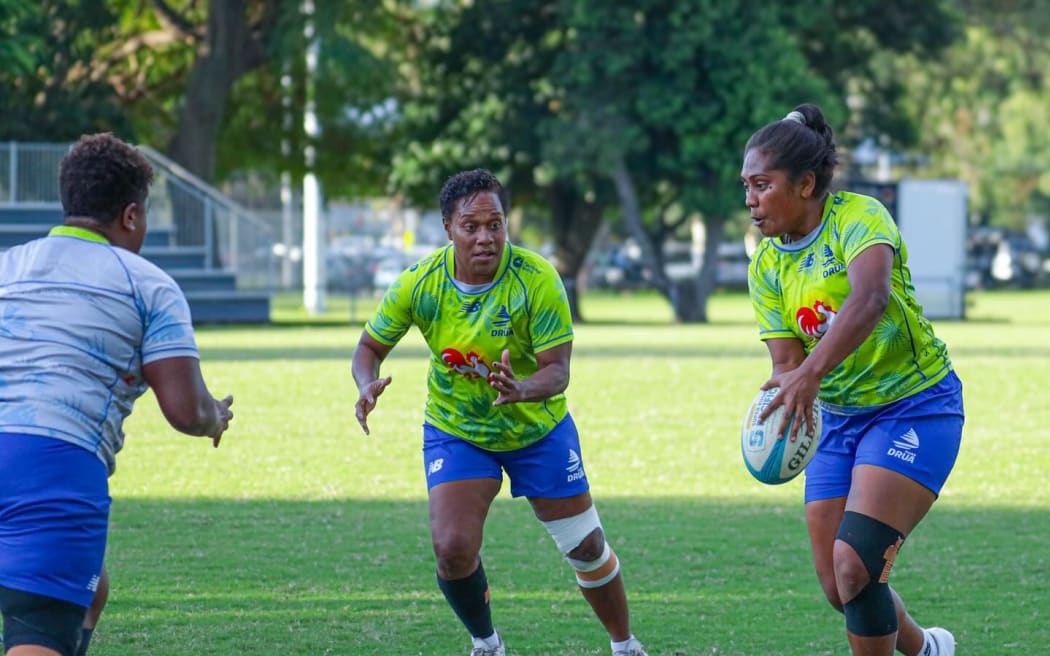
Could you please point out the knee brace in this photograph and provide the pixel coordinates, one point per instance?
(871, 611)
(569, 533)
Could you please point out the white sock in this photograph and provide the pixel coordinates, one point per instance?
(491, 641)
(927, 645)
(622, 645)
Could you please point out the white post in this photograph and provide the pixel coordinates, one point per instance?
(287, 236)
(12, 172)
(313, 222)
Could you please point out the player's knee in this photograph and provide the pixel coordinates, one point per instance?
(581, 540)
(590, 549)
(865, 550)
(851, 574)
(456, 556)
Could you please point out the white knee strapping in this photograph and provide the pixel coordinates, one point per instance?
(569, 533)
(596, 573)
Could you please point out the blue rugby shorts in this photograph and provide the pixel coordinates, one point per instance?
(54, 514)
(918, 436)
(551, 468)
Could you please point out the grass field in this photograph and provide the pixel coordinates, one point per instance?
(301, 535)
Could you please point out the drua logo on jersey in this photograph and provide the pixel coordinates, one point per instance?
(501, 323)
(816, 320)
(831, 265)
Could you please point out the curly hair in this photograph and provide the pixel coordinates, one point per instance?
(800, 142)
(101, 175)
(468, 184)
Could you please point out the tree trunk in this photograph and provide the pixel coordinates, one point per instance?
(575, 221)
(225, 54)
(231, 47)
(688, 297)
(692, 294)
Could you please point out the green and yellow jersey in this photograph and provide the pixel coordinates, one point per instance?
(467, 328)
(797, 288)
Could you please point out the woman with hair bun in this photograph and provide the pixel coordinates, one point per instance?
(836, 307)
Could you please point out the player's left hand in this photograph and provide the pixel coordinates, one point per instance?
(502, 379)
(798, 393)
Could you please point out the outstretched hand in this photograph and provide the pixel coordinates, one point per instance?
(503, 380)
(225, 415)
(366, 402)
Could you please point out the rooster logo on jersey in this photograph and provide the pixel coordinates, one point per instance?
(470, 365)
(816, 320)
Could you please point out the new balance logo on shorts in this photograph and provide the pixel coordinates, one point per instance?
(575, 467)
(435, 466)
(904, 447)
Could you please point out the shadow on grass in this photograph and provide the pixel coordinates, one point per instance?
(704, 576)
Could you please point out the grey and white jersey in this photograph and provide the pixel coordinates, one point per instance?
(78, 320)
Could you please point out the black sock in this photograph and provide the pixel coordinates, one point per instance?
(469, 598)
(85, 640)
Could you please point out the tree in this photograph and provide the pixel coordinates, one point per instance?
(983, 108)
(15, 45)
(477, 90)
(642, 107)
(663, 95)
(46, 58)
(203, 80)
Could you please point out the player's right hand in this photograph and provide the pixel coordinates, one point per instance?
(225, 415)
(366, 401)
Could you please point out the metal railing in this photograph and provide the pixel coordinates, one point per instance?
(197, 216)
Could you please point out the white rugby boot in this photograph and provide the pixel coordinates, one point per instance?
(483, 650)
(634, 648)
(939, 642)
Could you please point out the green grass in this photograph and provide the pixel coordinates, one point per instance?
(301, 535)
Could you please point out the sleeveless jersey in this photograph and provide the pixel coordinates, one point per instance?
(797, 288)
(524, 310)
(78, 320)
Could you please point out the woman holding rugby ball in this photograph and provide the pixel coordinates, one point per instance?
(836, 308)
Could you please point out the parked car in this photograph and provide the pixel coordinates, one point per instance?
(622, 268)
(996, 257)
(387, 270)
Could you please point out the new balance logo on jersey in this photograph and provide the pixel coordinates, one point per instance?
(904, 447)
(472, 306)
(575, 467)
(435, 466)
(93, 583)
(500, 322)
(806, 262)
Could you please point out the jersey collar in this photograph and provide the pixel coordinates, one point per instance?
(78, 232)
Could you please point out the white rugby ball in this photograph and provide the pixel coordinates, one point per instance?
(770, 460)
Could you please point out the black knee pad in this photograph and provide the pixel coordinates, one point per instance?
(871, 612)
(32, 619)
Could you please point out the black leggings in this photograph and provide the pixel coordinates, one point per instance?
(32, 619)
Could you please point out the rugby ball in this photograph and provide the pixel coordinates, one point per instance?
(770, 460)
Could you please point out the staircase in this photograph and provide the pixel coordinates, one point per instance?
(212, 293)
(223, 263)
